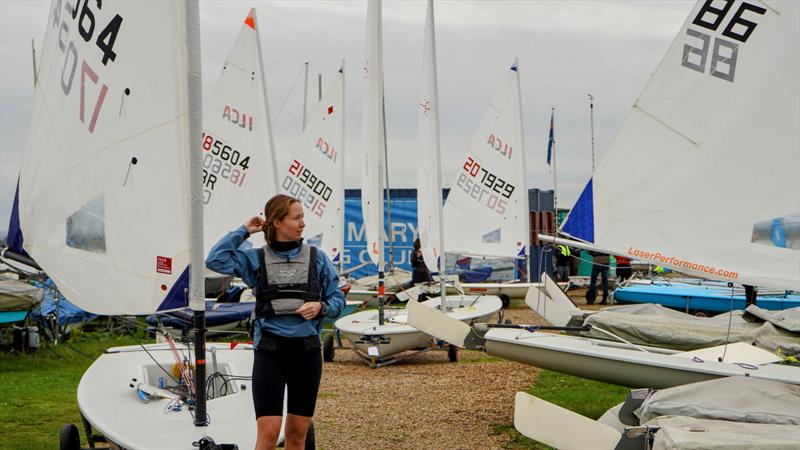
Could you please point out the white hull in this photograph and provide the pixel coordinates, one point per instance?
(363, 331)
(115, 410)
(599, 360)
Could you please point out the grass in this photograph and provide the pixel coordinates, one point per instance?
(585, 397)
(38, 392)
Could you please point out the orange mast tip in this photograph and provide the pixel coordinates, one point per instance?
(251, 19)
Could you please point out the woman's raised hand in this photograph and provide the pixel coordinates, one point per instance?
(254, 224)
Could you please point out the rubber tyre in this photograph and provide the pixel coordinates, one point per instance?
(506, 300)
(422, 297)
(508, 322)
(310, 438)
(69, 437)
(700, 314)
(328, 348)
(452, 353)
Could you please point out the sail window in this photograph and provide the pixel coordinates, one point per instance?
(492, 237)
(86, 227)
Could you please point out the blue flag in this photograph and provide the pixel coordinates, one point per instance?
(551, 140)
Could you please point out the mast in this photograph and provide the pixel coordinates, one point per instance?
(196, 249)
(591, 124)
(527, 219)
(555, 184)
(341, 166)
(374, 142)
(33, 55)
(386, 187)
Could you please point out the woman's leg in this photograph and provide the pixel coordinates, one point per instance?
(296, 430)
(268, 388)
(268, 429)
(302, 386)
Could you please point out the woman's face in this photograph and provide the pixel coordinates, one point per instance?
(290, 228)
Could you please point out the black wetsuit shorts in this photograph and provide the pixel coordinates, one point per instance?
(291, 363)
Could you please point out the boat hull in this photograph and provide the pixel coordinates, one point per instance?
(396, 336)
(589, 358)
(114, 409)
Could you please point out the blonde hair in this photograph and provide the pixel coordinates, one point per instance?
(276, 209)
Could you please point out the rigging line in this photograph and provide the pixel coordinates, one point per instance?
(730, 320)
(594, 327)
(157, 363)
(286, 99)
(666, 125)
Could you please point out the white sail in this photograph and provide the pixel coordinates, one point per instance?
(104, 200)
(703, 176)
(239, 172)
(315, 173)
(373, 136)
(486, 212)
(429, 178)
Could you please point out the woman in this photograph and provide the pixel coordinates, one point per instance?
(295, 286)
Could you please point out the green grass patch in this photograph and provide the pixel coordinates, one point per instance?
(586, 397)
(38, 391)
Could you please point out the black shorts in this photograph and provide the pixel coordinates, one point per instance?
(292, 366)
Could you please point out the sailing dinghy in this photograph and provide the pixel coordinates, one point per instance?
(377, 336)
(708, 111)
(111, 189)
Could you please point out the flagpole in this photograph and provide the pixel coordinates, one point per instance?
(555, 185)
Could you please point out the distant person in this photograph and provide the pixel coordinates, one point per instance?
(623, 268)
(600, 263)
(295, 287)
(563, 260)
(419, 271)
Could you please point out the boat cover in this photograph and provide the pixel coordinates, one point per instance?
(735, 399)
(788, 319)
(68, 316)
(18, 295)
(217, 314)
(678, 432)
(660, 327)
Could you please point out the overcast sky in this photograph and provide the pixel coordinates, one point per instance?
(566, 49)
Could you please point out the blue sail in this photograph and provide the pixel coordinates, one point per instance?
(580, 222)
(15, 239)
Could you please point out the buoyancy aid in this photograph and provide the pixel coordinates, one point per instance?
(285, 284)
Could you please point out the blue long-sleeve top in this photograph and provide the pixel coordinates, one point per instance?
(230, 257)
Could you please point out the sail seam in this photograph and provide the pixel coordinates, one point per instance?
(666, 125)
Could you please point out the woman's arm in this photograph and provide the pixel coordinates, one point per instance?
(228, 256)
(329, 282)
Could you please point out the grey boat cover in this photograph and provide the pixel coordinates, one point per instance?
(678, 432)
(734, 399)
(657, 326)
(17, 295)
(788, 319)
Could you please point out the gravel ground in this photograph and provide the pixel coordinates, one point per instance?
(421, 403)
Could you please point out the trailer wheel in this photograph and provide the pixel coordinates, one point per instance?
(452, 353)
(328, 350)
(69, 437)
(506, 300)
(508, 322)
(700, 314)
